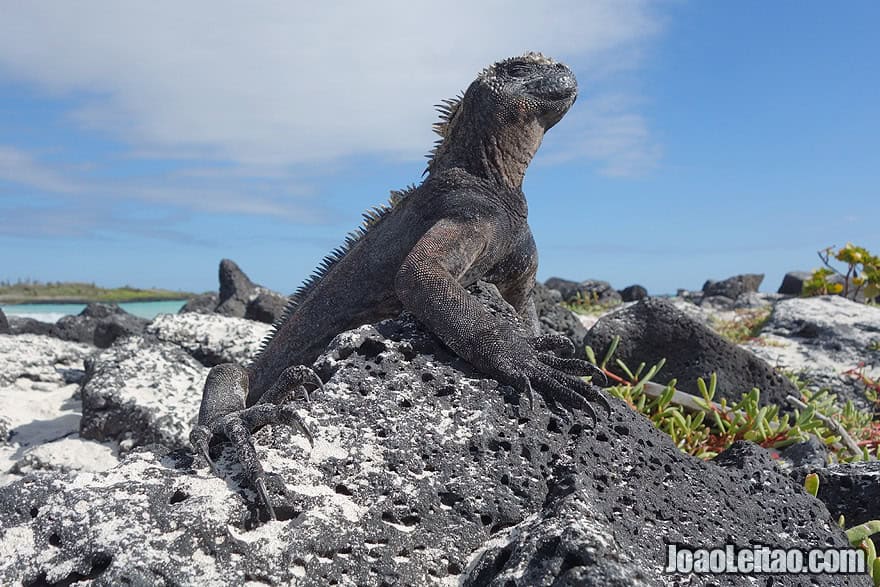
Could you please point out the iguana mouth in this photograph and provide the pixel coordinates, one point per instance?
(560, 95)
(556, 89)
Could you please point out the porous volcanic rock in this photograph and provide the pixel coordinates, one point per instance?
(41, 358)
(4, 323)
(70, 453)
(821, 339)
(851, 490)
(423, 472)
(139, 392)
(811, 452)
(210, 338)
(553, 318)
(654, 329)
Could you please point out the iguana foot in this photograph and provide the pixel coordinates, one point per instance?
(223, 414)
(564, 349)
(559, 378)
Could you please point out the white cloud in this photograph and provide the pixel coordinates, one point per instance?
(232, 191)
(18, 166)
(299, 83)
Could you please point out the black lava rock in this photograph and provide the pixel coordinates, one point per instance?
(654, 329)
(98, 324)
(809, 453)
(735, 286)
(21, 325)
(423, 472)
(201, 304)
(266, 307)
(591, 290)
(793, 282)
(633, 293)
(236, 290)
(553, 318)
(848, 489)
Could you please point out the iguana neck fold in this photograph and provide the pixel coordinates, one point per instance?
(496, 152)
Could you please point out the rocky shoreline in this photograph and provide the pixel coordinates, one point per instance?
(423, 470)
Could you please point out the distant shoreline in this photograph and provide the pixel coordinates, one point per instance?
(19, 301)
(72, 292)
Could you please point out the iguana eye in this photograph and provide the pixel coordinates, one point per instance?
(518, 70)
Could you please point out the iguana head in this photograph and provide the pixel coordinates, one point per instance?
(498, 124)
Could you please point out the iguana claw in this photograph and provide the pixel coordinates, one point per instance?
(556, 377)
(223, 414)
(523, 385)
(264, 497)
(199, 438)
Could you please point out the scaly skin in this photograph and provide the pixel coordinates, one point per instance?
(465, 222)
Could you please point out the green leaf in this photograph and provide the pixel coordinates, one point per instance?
(811, 484)
(858, 533)
(612, 348)
(591, 355)
(870, 552)
(625, 369)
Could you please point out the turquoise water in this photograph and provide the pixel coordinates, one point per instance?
(52, 312)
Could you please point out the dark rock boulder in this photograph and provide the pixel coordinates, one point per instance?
(848, 489)
(109, 329)
(267, 307)
(822, 339)
(211, 339)
(809, 453)
(735, 286)
(21, 325)
(99, 310)
(239, 297)
(4, 323)
(754, 300)
(79, 328)
(633, 293)
(139, 392)
(554, 318)
(718, 303)
(793, 282)
(566, 287)
(201, 304)
(98, 324)
(236, 290)
(591, 290)
(423, 472)
(654, 329)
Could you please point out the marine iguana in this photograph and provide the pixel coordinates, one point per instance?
(465, 222)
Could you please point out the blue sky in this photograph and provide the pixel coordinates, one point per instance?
(143, 142)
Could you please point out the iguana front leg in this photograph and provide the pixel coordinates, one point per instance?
(428, 285)
(223, 414)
